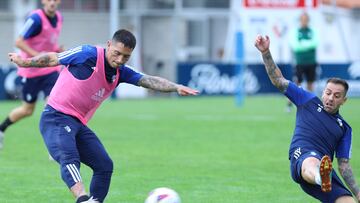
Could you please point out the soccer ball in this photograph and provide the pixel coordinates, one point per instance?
(163, 195)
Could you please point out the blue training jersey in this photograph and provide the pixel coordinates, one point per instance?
(33, 26)
(81, 59)
(315, 128)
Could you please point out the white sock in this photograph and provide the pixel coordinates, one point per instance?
(318, 178)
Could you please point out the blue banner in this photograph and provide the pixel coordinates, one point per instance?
(10, 87)
(221, 79)
(257, 81)
(209, 78)
(224, 79)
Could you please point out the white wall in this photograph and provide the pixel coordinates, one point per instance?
(339, 38)
(6, 36)
(84, 28)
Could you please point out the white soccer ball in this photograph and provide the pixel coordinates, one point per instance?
(163, 195)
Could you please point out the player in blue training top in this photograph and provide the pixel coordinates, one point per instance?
(319, 134)
(91, 75)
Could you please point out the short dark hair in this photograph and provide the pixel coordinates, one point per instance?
(340, 82)
(125, 37)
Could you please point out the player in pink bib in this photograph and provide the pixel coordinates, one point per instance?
(40, 34)
(91, 76)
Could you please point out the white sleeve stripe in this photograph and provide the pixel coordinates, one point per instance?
(66, 54)
(350, 151)
(76, 171)
(72, 174)
(27, 26)
(69, 53)
(71, 50)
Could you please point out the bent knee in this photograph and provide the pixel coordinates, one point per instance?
(306, 173)
(109, 165)
(106, 165)
(309, 168)
(27, 111)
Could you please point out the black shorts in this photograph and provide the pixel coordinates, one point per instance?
(308, 70)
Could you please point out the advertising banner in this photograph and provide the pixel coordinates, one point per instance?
(280, 3)
(209, 78)
(9, 83)
(227, 79)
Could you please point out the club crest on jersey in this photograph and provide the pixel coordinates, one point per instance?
(113, 78)
(98, 96)
(339, 122)
(319, 108)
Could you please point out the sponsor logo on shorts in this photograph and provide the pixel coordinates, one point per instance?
(28, 97)
(297, 153)
(67, 128)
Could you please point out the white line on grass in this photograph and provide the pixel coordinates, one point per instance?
(230, 118)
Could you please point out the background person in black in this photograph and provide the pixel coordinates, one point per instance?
(304, 41)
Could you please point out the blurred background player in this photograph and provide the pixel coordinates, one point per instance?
(304, 41)
(92, 74)
(39, 34)
(320, 133)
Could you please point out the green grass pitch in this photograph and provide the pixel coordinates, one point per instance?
(206, 148)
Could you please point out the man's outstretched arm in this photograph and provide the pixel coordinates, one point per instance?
(42, 60)
(273, 71)
(347, 174)
(164, 85)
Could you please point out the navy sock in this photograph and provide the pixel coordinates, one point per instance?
(6, 123)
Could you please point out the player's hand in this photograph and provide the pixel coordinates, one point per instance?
(15, 58)
(186, 91)
(262, 43)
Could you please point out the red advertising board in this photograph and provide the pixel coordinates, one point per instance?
(280, 3)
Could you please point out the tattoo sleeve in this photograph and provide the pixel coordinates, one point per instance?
(347, 174)
(42, 60)
(274, 73)
(157, 83)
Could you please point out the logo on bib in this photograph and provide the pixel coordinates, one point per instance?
(98, 96)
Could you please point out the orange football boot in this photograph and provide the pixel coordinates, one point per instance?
(325, 173)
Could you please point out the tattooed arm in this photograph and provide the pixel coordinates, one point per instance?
(42, 60)
(163, 85)
(347, 174)
(273, 71)
(157, 83)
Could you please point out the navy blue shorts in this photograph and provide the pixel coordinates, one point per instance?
(338, 188)
(32, 86)
(70, 143)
